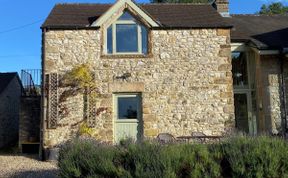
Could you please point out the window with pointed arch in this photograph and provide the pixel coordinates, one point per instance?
(126, 36)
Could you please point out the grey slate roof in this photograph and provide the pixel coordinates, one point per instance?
(5, 79)
(262, 30)
(168, 15)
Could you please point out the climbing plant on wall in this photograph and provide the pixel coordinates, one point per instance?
(80, 76)
(81, 79)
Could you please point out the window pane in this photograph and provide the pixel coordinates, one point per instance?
(144, 35)
(126, 38)
(239, 69)
(126, 16)
(109, 40)
(241, 112)
(127, 107)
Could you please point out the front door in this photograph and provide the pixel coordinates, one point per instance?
(127, 117)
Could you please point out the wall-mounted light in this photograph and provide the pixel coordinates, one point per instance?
(124, 76)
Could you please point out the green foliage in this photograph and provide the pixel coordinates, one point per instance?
(143, 160)
(192, 161)
(80, 76)
(85, 130)
(180, 1)
(274, 8)
(261, 157)
(237, 157)
(82, 158)
(80, 79)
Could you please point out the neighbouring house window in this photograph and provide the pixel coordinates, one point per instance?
(128, 106)
(126, 36)
(239, 69)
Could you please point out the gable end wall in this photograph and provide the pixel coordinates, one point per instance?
(186, 83)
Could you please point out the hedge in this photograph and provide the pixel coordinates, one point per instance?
(236, 157)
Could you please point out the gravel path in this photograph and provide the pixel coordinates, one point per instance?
(26, 166)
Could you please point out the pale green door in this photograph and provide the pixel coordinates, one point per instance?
(127, 117)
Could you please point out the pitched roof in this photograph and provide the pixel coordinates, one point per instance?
(5, 79)
(168, 15)
(262, 30)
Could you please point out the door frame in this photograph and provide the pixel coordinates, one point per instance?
(248, 89)
(252, 122)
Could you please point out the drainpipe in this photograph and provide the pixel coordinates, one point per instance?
(283, 56)
(43, 102)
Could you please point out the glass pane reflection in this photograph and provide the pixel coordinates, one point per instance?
(239, 69)
(126, 38)
(127, 107)
(109, 40)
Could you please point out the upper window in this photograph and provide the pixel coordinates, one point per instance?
(126, 36)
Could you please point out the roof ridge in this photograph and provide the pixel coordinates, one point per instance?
(261, 15)
(174, 4)
(92, 4)
(67, 3)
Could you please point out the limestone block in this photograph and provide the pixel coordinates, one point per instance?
(223, 32)
(225, 52)
(151, 132)
(126, 87)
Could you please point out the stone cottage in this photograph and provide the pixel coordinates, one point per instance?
(10, 95)
(158, 68)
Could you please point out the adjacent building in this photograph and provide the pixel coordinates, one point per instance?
(10, 95)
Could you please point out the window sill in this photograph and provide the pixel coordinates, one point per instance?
(121, 56)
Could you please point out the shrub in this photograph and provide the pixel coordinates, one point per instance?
(143, 160)
(256, 157)
(85, 158)
(188, 160)
(236, 157)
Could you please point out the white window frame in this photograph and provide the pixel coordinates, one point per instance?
(139, 37)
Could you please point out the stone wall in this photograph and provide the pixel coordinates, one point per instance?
(9, 113)
(29, 123)
(271, 101)
(185, 83)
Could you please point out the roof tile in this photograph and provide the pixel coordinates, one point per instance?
(263, 30)
(5, 79)
(169, 15)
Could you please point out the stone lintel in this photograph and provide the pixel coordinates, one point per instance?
(126, 87)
